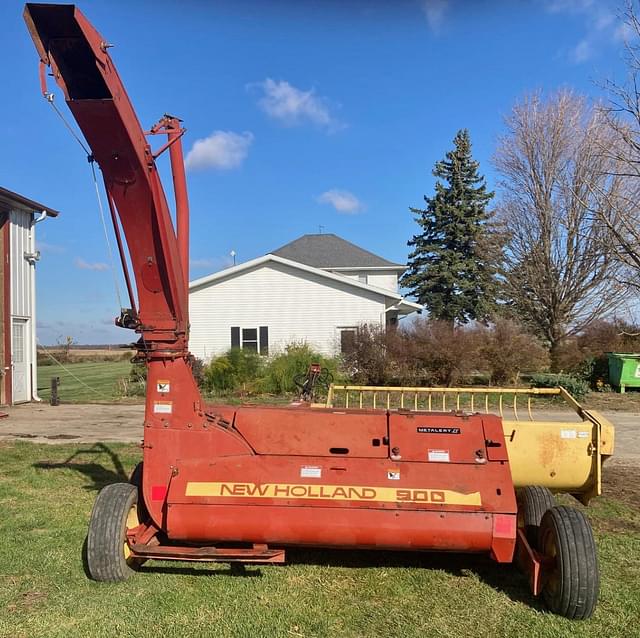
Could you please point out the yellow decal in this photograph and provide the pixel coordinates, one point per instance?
(332, 492)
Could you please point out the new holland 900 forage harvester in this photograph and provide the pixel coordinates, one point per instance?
(239, 484)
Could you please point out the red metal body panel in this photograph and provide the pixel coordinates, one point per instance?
(318, 526)
(427, 437)
(262, 475)
(281, 431)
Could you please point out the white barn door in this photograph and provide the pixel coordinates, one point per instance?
(20, 361)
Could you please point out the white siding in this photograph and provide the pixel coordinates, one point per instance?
(386, 279)
(295, 306)
(24, 373)
(20, 267)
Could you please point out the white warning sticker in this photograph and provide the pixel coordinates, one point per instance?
(584, 435)
(568, 434)
(163, 387)
(311, 471)
(439, 456)
(393, 475)
(163, 407)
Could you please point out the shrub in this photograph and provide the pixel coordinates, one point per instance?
(135, 384)
(508, 350)
(601, 337)
(232, 370)
(584, 356)
(575, 386)
(369, 360)
(198, 370)
(443, 353)
(281, 370)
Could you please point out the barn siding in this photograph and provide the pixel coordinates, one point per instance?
(294, 305)
(20, 267)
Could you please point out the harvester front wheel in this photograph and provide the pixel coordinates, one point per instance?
(136, 479)
(114, 511)
(572, 583)
(533, 502)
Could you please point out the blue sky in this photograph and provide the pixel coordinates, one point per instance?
(299, 115)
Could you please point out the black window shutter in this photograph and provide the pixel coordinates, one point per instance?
(264, 340)
(235, 337)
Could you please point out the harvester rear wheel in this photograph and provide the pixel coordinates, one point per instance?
(533, 502)
(114, 511)
(571, 585)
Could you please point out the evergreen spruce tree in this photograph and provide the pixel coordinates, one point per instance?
(452, 268)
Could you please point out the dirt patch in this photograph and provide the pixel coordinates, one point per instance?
(27, 600)
(628, 402)
(623, 484)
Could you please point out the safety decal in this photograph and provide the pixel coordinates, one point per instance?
(331, 493)
(427, 429)
(309, 471)
(163, 387)
(393, 475)
(439, 456)
(163, 407)
(568, 434)
(584, 435)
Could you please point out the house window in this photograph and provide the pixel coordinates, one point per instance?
(347, 340)
(256, 339)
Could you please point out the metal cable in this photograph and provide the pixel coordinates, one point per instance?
(50, 99)
(67, 370)
(106, 234)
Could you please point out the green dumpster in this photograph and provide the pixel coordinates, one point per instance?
(624, 370)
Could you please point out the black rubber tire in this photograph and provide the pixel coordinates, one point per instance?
(533, 502)
(136, 476)
(573, 584)
(107, 533)
(136, 479)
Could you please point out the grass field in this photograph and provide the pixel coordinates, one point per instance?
(45, 504)
(84, 382)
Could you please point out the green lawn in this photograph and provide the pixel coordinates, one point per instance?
(44, 508)
(84, 382)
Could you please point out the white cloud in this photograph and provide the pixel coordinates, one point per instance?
(342, 201)
(47, 248)
(435, 11)
(291, 106)
(623, 33)
(601, 26)
(86, 265)
(581, 52)
(568, 6)
(222, 150)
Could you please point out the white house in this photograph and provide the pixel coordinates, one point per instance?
(18, 360)
(317, 289)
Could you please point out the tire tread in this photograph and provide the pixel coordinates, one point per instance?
(105, 559)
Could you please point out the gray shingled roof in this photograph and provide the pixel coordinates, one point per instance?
(330, 251)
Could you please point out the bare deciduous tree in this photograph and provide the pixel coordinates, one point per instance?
(561, 273)
(621, 215)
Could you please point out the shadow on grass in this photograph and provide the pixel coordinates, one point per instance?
(505, 578)
(233, 569)
(97, 473)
